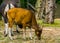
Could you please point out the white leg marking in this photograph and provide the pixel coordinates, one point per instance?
(6, 28)
(12, 6)
(10, 29)
(30, 33)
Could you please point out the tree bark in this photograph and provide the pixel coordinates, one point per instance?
(38, 7)
(49, 11)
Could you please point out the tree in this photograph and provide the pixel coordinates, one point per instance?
(49, 11)
(38, 7)
(46, 10)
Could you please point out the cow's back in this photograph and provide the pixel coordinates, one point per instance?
(20, 15)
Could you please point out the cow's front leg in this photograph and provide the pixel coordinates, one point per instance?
(10, 25)
(6, 30)
(10, 34)
(24, 31)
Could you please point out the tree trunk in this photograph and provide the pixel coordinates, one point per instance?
(38, 7)
(49, 11)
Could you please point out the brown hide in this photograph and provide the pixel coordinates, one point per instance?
(24, 17)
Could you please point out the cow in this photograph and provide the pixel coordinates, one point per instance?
(24, 18)
(4, 7)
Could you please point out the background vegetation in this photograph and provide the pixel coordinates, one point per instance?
(58, 1)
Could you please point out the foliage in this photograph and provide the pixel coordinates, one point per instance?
(1, 1)
(58, 1)
(24, 3)
(56, 23)
(32, 2)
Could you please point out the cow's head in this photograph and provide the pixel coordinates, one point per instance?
(38, 32)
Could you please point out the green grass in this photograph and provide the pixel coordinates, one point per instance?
(55, 24)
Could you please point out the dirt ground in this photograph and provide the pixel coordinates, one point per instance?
(49, 35)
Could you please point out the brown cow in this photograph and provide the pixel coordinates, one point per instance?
(24, 18)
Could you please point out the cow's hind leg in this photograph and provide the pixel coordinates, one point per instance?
(6, 29)
(5, 19)
(9, 33)
(6, 25)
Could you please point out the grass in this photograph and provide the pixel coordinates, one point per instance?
(55, 24)
(47, 36)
